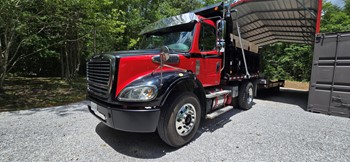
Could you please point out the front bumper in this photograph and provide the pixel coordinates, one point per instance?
(126, 119)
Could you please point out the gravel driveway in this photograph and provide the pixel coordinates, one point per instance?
(275, 129)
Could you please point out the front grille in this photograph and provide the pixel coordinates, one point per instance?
(99, 74)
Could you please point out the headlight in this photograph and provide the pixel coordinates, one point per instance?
(138, 93)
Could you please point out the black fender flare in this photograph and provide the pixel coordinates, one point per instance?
(167, 83)
(187, 82)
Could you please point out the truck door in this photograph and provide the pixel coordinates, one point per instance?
(210, 59)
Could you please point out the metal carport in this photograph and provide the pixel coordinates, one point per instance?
(264, 22)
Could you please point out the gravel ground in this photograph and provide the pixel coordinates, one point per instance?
(275, 129)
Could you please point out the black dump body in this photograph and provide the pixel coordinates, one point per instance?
(234, 63)
(330, 77)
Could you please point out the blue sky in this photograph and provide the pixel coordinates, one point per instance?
(339, 3)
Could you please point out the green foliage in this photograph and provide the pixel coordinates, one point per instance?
(335, 19)
(54, 37)
(287, 61)
(52, 33)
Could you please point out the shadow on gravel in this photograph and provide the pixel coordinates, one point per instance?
(139, 145)
(150, 145)
(288, 96)
(218, 122)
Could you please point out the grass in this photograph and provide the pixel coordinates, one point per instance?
(297, 85)
(25, 93)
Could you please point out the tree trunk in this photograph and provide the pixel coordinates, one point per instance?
(3, 70)
(78, 58)
(62, 63)
(66, 47)
(67, 63)
(71, 58)
(76, 54)
(2, 56)
(2, 79)
(8, 37)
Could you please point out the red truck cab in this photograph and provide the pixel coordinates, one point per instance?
(177, 78)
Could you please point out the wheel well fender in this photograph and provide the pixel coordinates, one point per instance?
(190, 85)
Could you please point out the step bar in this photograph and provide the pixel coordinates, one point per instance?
(218, 112)
(219, 93)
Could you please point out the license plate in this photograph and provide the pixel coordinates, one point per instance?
(96, 112)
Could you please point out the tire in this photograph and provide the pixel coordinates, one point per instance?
(246, 96)
(169, 127)
(276, 89)
(234, 102)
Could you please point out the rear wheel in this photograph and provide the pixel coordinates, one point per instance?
(276, 89)
(246, 96)
(180, 118)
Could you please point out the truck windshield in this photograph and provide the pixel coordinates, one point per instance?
(176, 41)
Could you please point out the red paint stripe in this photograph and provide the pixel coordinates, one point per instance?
(229, 100)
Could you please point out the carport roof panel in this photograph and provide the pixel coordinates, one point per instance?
(264, 22)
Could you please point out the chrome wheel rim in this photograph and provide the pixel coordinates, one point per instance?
(250, 95)
(185, 119)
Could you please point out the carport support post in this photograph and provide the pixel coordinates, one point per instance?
(318, 20)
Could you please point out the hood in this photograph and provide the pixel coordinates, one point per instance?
(121, 54)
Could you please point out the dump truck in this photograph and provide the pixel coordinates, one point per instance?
(189, 68)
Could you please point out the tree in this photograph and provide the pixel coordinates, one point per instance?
(12, 32)
(287, 61)
(54, 37)
(335, 19)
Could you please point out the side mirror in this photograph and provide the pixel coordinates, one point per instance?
(164, 54)
(220, 35)
(163, 57)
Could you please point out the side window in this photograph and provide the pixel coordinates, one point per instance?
(207, 38)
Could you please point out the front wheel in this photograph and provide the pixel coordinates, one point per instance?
(180, 118)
